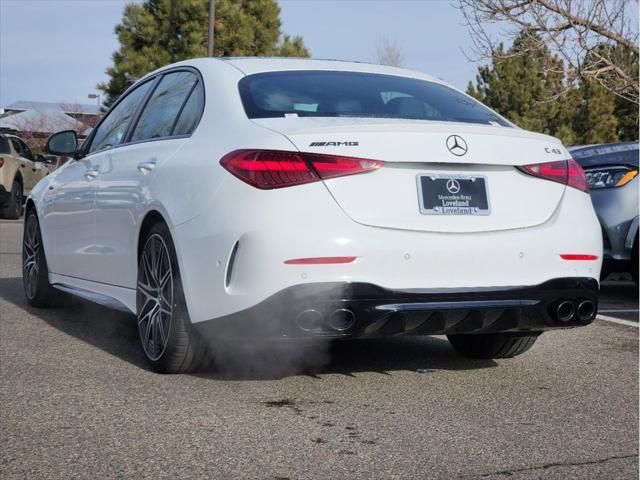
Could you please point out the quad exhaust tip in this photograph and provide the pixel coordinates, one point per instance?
(341, 320)
(565, 311)
(309, 320)
(586, 310)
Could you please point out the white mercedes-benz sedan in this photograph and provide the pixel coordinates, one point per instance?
(289, 198)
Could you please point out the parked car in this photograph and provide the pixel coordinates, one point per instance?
(612, 171)
(20, 170)
(296, 198)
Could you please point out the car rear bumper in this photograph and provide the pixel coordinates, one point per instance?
(365, 310)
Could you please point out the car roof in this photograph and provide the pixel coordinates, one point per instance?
(252, 65)
(606, 154)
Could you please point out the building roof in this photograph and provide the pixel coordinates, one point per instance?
(40, 121)
(76, 108)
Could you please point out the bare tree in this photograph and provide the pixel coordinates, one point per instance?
(389, 52)
(598, 39)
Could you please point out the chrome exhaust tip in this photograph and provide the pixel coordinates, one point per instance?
(586, 310)
(341, 320)
(309, 320)
(565, 311)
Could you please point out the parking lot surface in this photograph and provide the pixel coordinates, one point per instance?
(79, 402)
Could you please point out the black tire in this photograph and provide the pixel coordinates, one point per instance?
(168, 340)
(13, 210)
(634, 260)
(492, 345)
(35, 274)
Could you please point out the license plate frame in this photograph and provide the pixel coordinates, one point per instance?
(460, 205)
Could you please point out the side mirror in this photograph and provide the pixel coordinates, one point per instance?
(63, 143)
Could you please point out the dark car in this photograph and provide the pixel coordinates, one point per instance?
(612, 171)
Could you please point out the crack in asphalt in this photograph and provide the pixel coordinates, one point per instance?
(549, 465)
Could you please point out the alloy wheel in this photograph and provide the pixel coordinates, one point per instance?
(30, 251)
(154, 296)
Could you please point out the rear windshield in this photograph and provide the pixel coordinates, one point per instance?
(353, 94)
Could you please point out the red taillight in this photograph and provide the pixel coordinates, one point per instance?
(577, 178)
(578, 256)
(1, 161)
(267, 169)
(319, 260)
(566, 172)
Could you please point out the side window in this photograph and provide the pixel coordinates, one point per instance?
(111, 131)
(4, 145)
(26, 152)
(191, 111)
(164, 105)
(17, 147)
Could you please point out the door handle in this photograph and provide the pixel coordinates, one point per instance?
(91, 174)
(146, 167)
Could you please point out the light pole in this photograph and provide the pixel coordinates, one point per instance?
(212, 21)
(94, 95)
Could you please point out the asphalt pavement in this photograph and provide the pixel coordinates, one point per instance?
(78, 401)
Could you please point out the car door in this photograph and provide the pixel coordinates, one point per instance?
(164, 124)
(71, 212)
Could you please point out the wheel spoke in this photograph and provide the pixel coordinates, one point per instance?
(147, 290)
(147, 313)
(148, 270)
(164, 279)
(147, 334)
(160, 327)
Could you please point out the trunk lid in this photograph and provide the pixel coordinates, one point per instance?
(389, 197)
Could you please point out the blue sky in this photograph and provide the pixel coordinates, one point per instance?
(58, 50)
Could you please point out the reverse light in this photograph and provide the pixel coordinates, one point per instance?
(319, 260)
(609, 177)
(268, 169)
(578, 256)
(566, 172)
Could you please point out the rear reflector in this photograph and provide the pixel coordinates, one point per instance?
(319, 260)
(267, 169)
(566, 172)
(577, 256)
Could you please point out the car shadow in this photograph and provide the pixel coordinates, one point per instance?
(116, 333)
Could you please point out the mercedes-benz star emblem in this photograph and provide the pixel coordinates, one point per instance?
(453, 186)
(457, 145)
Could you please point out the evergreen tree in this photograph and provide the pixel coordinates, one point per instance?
(595, 119)
(627, 114)
(529, 87)
(526, 86)
(158, 32)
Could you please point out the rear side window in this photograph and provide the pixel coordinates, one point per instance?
(21, 149)
(114, 126)
(356, 94)
(164, 106)
(191, 112)
(4, 145)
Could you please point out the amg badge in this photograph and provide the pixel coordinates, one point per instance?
(333, 144)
